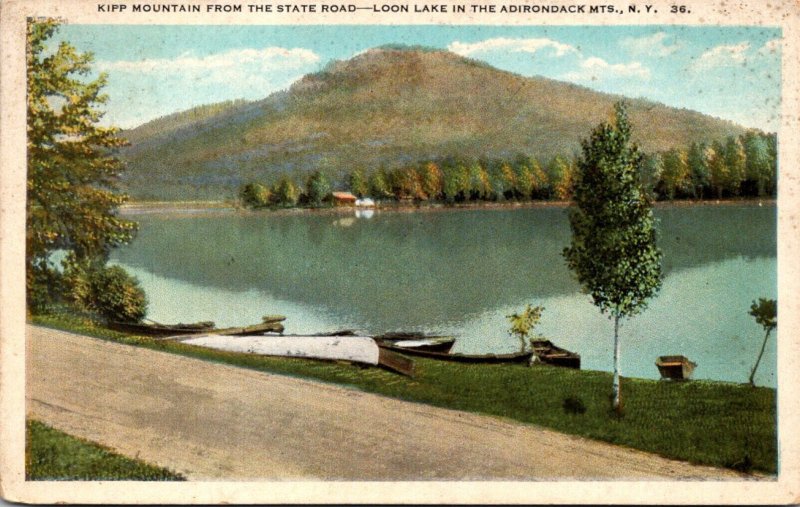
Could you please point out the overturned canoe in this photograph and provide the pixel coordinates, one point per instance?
(549, 353)
(355, 349)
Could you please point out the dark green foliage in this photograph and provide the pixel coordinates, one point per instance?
(285, 192)
(358, 183)
(51, 455)
(613, 251)
(72, 174)
(522, 324)
(697, 159)
(107, 291)
(766, 314)
(318, 188)
(573, 405)
(255, 195)
(379, 185)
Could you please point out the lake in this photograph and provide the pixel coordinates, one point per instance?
(461, 272)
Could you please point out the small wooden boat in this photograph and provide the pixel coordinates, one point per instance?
(675, 367)
(157, 329)
(264, 327)
(548, 353)
(417, 341)
(518, 357)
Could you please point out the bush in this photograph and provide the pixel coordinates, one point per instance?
(573, 405)
(106, 291)
(118, 296)
(43, 288)
(255, 195)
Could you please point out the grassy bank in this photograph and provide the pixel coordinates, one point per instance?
(51, 455)
(712, 423)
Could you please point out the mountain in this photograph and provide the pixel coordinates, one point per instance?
(383, 108)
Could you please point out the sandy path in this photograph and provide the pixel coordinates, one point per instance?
(210, 421)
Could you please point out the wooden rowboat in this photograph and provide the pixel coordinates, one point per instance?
(548, 353)
(518, 357)
(156, 329)
(675, 367)
(271, 324)
(417, 341)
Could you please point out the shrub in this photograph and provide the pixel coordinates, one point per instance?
(43, 288)
(106, 291)
(573, 405)
(255, 195)
(118, 296)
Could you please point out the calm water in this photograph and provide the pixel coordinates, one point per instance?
(461, 272)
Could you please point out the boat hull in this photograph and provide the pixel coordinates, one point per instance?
(523, 357)
(548, 353)
(675, 367)
(160, 329)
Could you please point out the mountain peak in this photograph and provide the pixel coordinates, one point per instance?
(385, 107)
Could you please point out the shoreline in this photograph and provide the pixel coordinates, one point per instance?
(193, 208)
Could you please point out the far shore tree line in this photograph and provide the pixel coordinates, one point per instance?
(743, 166)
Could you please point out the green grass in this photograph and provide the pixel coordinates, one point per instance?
(712, 423)
(51, 455)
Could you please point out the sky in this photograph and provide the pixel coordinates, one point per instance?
(153, 70)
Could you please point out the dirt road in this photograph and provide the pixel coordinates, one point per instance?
(210, 421)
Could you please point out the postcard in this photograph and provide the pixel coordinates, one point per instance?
(511, 252)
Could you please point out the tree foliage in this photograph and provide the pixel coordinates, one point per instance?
(613, 251)
(318, 188)
(255, 195)
(523, 323)
(72, 194)
(766, 314)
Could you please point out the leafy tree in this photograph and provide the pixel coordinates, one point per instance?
(650, 175)
(675, 175)
(613, 251)
(432, 180)
(379, 185)
(540, 184)
(766, 314)
(72, 194)
(717, 168)
(758, 167)
(524, 181)
(562, 177)
(285, 192)
(697, 158)
(523, 323)
(407, 184)
(480, 186)
(255, 195)
(358, 184)
(318, 188)
(456, 181)
(735, 161)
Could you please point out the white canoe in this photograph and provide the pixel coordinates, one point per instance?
(359, 349)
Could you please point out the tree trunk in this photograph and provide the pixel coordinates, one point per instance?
(616, 403)
(763, 346)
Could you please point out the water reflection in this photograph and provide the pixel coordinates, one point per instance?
(458, 271)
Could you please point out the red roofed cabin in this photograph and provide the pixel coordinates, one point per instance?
(344, 199)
